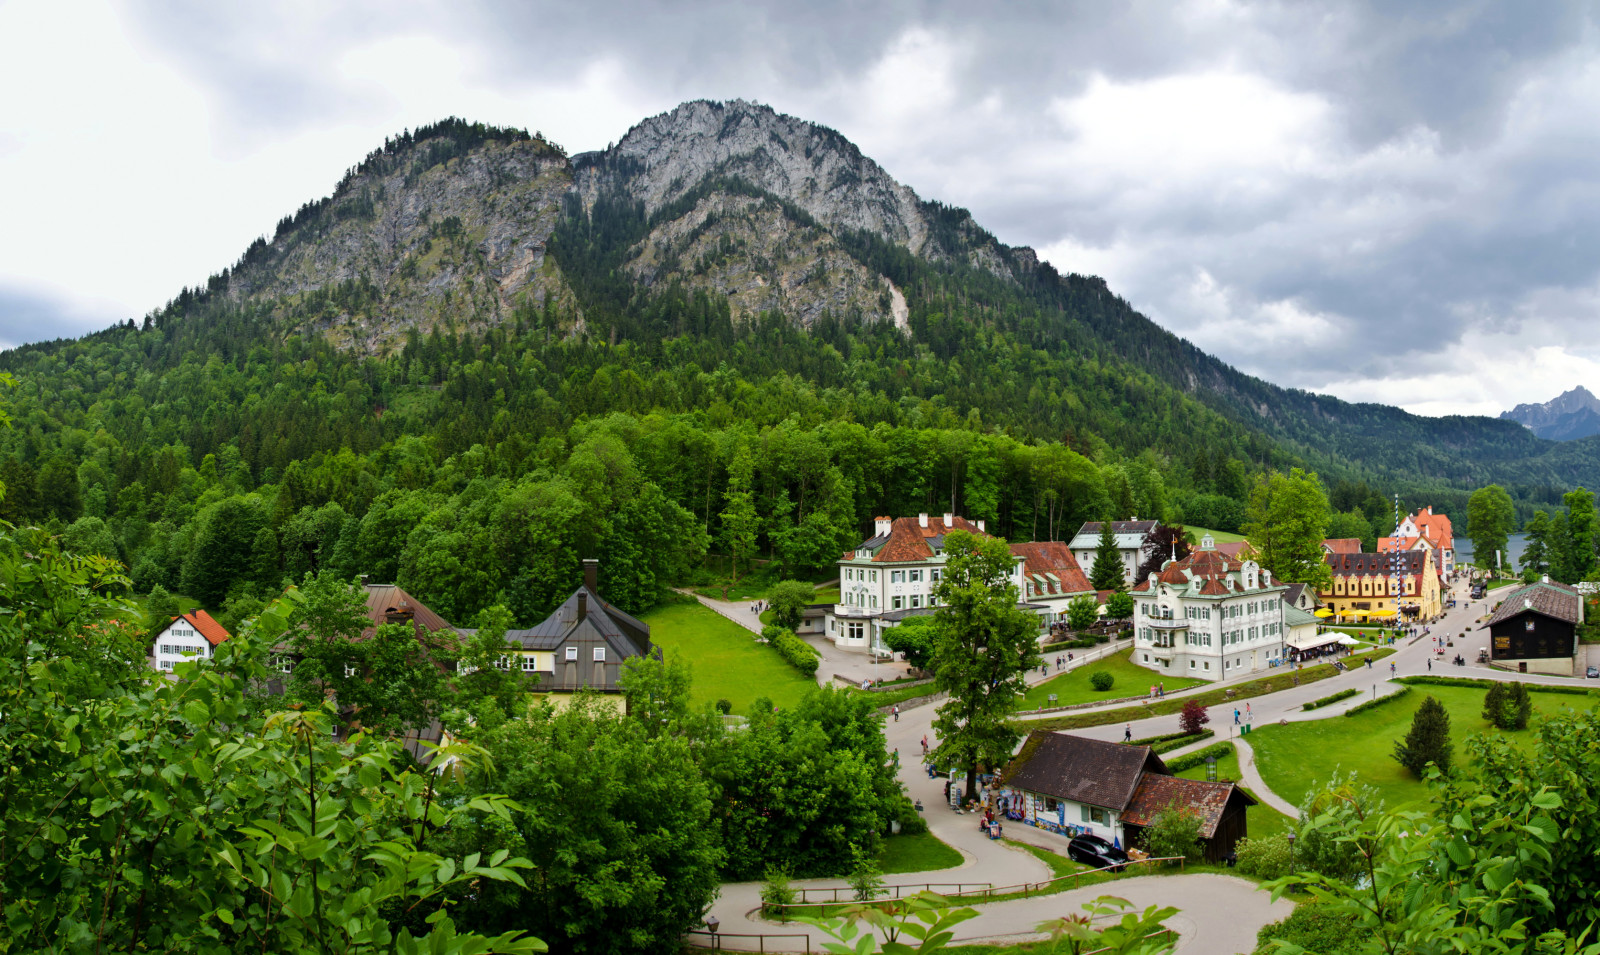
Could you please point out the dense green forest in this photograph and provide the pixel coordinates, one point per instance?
(225, 444)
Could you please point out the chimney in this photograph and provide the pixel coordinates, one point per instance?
(881, 526)
(980, 526)
(591, 575)
(922, 519)
(364, 578)
(949, 520)
(583, 605)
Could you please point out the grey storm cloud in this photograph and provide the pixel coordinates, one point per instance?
(1259, 177)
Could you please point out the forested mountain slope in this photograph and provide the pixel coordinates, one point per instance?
(480, 359)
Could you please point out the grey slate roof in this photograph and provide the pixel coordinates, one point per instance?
(1546, 597)
(623, 633)
(1083, 770)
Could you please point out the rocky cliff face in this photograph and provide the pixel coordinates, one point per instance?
(452, 227)
(1571, 415)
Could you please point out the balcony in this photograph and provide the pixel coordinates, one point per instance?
(1167, 624)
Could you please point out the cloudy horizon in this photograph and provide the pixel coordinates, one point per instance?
(1381, 202)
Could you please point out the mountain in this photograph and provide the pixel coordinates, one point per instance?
(1571, 415)
(724, 235)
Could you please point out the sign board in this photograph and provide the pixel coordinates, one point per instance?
(1502, 643)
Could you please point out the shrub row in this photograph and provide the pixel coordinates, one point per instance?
(1081, 643)
(1184, 739)
(1486, 684)
(800, 654)
(1380, 701)
(1152, 740)
(1282, 680)
(1341, 695)
(1198, 757)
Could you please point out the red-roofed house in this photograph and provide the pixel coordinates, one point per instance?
(1342, 545)
(190, 636)
(891, 575)
(1209, 616)
(1436, 530)
(1051, 577)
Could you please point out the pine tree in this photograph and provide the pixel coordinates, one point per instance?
(1428, 741)
(1494, 703)
(1518, 707)
(1107, 573)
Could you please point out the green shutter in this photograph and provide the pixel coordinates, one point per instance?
(1085, 813)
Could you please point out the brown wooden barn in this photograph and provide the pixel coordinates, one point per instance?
(1220, 806)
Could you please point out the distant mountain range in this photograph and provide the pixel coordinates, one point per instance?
(1574, 414)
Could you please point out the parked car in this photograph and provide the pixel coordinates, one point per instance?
(1593, 673)
(1095, 852)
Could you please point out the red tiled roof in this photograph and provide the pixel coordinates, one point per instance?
(1207, 800)
(1235, 549)
(1213, 588)
(388, 603)
(207, 627)
(1342, 545)
(1375, 565)
(1052, 557)
(1436, 527)
(909, 540)
(1201, 563)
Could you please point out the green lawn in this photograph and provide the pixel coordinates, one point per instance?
(829, 596)
(1073, 685)
(1261, 820)
(919, 853)
(1291, 758)
(1221, 537)
(727, 661)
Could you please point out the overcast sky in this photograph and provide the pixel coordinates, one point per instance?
(1389, 202)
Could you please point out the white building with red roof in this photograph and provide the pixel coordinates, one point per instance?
(892, 575)
(1209, 616)
(190, 636)
(1428, 530)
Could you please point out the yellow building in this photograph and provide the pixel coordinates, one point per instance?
(1363, 586)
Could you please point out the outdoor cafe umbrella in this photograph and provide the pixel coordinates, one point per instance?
(1324, 612)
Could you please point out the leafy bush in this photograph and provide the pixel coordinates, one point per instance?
(915, 637)
(1429, 680)
(1101, 680)
(1193, 716)
(1264, 858)
(777, 892)
(1082, 611)
(800, 654)
(1174, 832)
(1313, 927)
(1380, 701)
(1152, 740)
(1507, 706)
(724, 706)
(865, 880)
(1119, 606)
(1198, 757)
(1333, 698)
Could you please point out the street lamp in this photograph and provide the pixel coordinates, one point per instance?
(1291, 856)
(712, 921)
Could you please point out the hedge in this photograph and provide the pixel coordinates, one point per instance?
(1485, 684)
(1152, 740)
(1380, 701)
(1184, 739)
(1198, 757)
(800, 654)
(1341, 695)
(1282, 680)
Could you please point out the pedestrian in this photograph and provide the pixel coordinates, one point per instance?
(1247, 713)
(1391, 669)
(1430, 664)
(897, 712)
(1236, 716)
(924, 744)
(1161, 690)
(1127, 733)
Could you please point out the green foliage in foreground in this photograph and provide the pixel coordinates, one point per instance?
(140, 813)
(925, 923)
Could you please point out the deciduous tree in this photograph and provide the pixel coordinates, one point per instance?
(1286, 523)
(1490, 520)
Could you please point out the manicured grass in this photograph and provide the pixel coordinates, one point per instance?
(1281, 679)
(1221, 537)
(923, 852)
(1073, 686)
(727, 662)
(1261, 820)
(830, 596)
(1292, 758)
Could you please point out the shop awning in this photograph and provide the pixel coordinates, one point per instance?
(1357, 613)
(1324, 612)
(1320, 640)
(1381, 613)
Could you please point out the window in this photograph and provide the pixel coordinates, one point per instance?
(349, 671)
(916, 601)
(872, 576)
(529, 663)
(873, 601)
(849, 573)
(1208, 664)
(504, 663)
(855, 631)
(898, 601)
(572, 653)
(1528, 625)
(833, 625)
(914, 576)
(1147, 658)
(1099, 817)
(599, 654)
(897, 576)
(934, 575)
(1191, 664)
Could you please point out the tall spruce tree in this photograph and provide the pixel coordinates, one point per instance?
(1108, 572)
(1428, 740)
(985, 646)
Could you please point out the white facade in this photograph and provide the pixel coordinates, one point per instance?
(1129, 536)
(178, 643)
(876, 594)
(1236, 626)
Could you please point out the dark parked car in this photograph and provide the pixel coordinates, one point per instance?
(1095, 852)
(1593, 673)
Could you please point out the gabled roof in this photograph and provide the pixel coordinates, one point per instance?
(1207, 800)
(1051, 568)
(1235, 550)
(214, 632)
(1376, 565)
(1389, 544)
(1292, 595)
(1088, 771)
(623, 633)
(1342, 545)
(908, 540)
(1129, 534)
(1295, 617)
(1546, 597)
